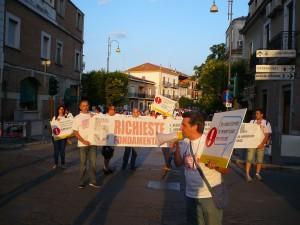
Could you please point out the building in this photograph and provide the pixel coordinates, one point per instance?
(43, 40)
(167, 80)
(237, 38)
(141, 93)
(275, 25)
(188, 87)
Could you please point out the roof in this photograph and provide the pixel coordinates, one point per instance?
(149, 67)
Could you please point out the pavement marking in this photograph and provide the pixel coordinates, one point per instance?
(161, 185)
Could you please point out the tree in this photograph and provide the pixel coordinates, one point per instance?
(185, 102)
(116, 88)
(218, 52)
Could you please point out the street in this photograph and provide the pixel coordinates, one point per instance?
(31, 192)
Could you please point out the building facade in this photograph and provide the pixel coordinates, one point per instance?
(237, 38)
(141, 93)
(274, 25)
(43, 40)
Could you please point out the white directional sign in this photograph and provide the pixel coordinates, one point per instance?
(274, 76)
(228, 104)
(275, 68)
(276, 53)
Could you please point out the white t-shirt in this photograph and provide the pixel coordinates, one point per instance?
(81, 124)
(264, 125)
(195, 186)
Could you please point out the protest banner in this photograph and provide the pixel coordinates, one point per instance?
(220, 139)
(250, 135)
(163, 105)
(126, 131)
(62, 129)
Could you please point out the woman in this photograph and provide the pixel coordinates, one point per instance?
(59, 145)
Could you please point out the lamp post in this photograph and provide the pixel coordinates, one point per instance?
(214, 9)
(46, 63)
(109, 51)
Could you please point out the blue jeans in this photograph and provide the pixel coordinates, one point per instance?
(202, 211)
(59, 150)
(126, 157)
(87, 156)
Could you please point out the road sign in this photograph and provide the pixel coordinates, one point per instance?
(275, 68)
(227, 96)
(276, 53)
(228, 104)
(274, 76)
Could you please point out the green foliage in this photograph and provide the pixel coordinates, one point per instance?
(218, 52)
(102, 88)
(116, 88)
(185, 102)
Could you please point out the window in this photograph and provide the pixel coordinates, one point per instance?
(59, 52)
(164, 80)
(240, 43)
(61, 7)
(77, 60)
(79, 20)
(45, 45)
(267, 34)
(286, 110)
(28, 93)
(13, 26)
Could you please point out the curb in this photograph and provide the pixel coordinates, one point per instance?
(270, 166)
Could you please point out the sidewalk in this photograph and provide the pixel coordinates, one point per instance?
(17, 143)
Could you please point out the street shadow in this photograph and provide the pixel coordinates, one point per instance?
(111, 187)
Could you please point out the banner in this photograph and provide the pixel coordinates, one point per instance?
(163, 105)
(250, 135)
(221, 137)
(126, 131)
(62, 129)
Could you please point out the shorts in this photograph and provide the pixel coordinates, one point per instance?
(107, 152)
(251, 152)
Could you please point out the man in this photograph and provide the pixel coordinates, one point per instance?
(259, 151)
(200, 208)
(87, 152)
(135, 114)
(108, 151)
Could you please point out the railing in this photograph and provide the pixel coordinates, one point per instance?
(167, 84)
(139, 95)
(283, 40)
(175, 86)
(184, 85)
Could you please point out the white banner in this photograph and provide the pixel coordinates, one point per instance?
(62, 129)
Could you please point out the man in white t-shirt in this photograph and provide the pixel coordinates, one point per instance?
(87, 152)
(259, 151)
(200, 208)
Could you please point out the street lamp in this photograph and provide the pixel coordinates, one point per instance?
(109, 51)
(46, 63)
(214, 9)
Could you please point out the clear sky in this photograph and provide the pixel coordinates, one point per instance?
(167, 32)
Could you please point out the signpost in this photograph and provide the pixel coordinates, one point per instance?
(275, 53)
(274, 76)
(275, 68)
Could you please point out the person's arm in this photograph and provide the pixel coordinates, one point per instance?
(177, 156)
(212, 165)
(264, 141)
(83, 141)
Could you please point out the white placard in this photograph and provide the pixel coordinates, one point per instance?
(163, 105)
(62, 128)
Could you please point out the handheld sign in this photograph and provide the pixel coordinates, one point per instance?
(221, 137)
(163, 105)
(62, 129)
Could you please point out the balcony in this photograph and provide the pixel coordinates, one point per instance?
(167, 84)
(140, 95)
(184, 85)
(283, 40)
(175, 86)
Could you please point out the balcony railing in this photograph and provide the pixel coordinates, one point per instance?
(140, 95)
(175, 86)
(283, 41)
(167, 84)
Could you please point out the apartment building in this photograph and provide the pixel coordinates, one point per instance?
(43, 41)
(275, 25)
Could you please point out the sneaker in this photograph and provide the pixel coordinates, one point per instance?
(54, 167)
(248, 178)
(258, 177)
(81, 186)
(95, 185)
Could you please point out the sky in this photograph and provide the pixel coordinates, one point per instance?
(171, 33)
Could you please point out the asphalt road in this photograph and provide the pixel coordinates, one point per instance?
(32, 193)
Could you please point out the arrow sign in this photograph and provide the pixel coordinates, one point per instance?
(275, 68)
(274, 76)
(275, 53)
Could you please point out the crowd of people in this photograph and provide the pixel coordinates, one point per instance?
(201, 207)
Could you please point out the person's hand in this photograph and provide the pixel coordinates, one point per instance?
(211, 165)
(86, 142)
(261, 147)
(173, 144)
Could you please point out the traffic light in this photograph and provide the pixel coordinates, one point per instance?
(53, 86)
(232, 87)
